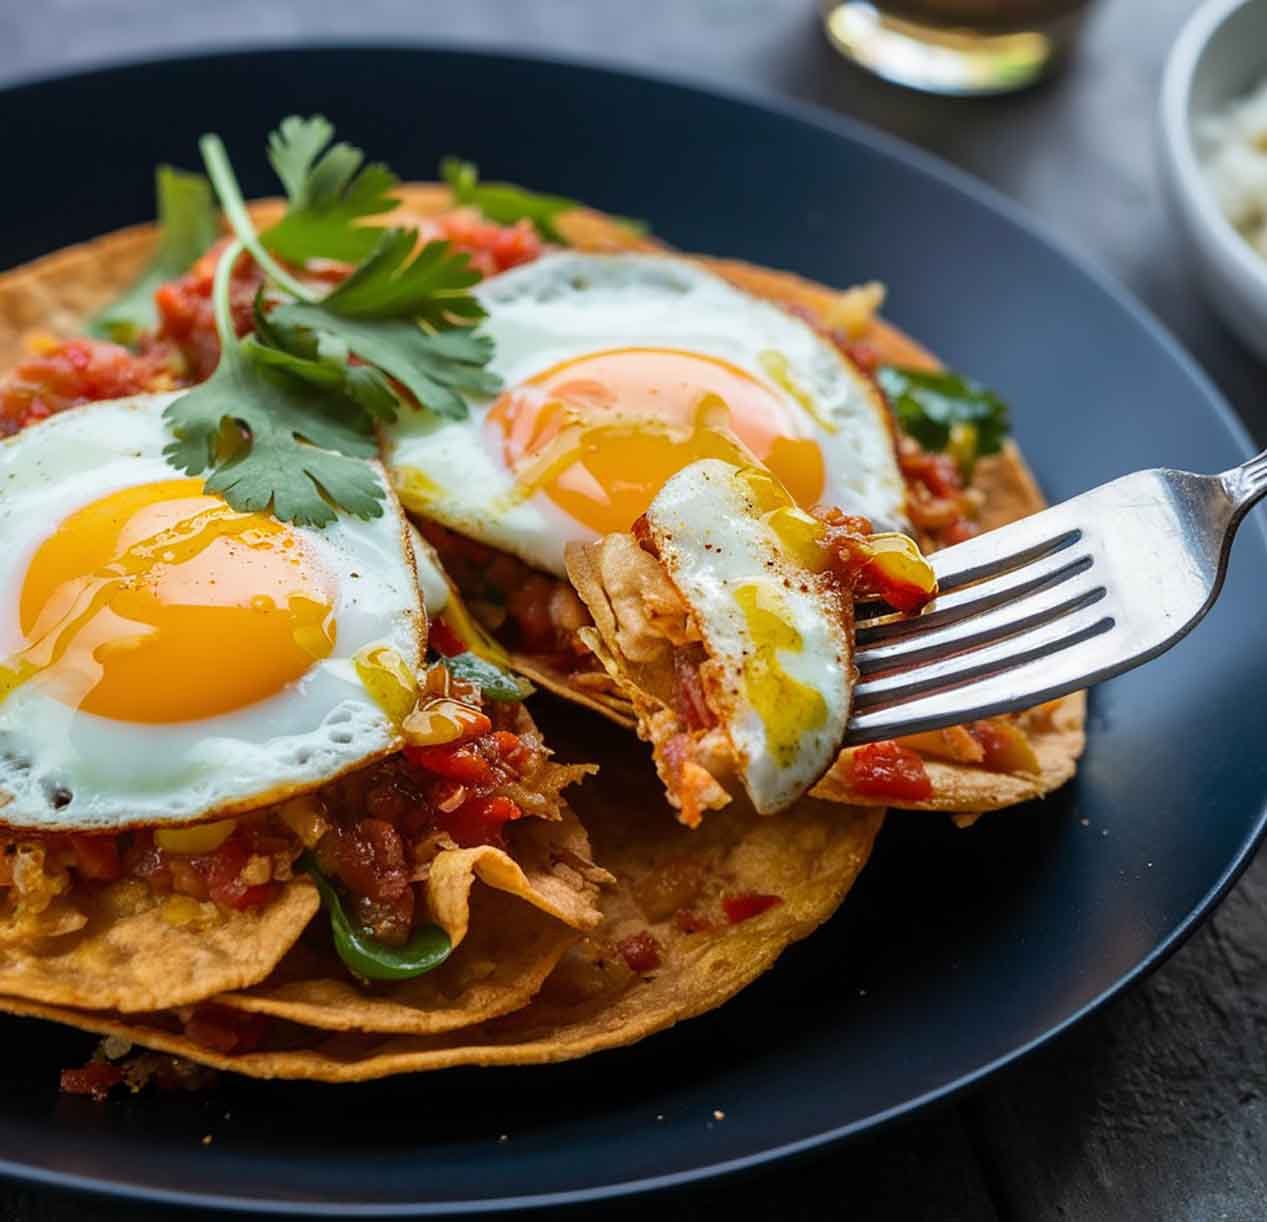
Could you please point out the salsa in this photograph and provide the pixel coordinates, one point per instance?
(888, 770)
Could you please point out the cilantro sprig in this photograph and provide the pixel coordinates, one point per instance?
(299, 397)
(330, 189)
(269, 441)
(943, 410)
(188, 225)
(506, 203)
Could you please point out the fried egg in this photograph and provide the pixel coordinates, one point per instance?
(164, 657)
(617, 372)
(779, 672)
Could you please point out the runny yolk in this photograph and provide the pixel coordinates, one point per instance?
(786, 706)
(628, 419)
(159, 603)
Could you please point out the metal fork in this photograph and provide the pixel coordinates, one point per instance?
(1053, 603)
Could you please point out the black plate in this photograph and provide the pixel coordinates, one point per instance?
(957, 952)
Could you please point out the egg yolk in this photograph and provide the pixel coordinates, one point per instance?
(614, 426)
(159, 603)
(787, 707)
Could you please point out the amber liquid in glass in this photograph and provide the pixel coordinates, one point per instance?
(955, 46)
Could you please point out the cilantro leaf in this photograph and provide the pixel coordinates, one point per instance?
(431, 287)
(188, 225)
(298, 451)
(329, 189)
(492, 680)
(938, 406)
(504, 202)
(435, 367)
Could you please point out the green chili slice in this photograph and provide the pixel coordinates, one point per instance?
(492, 680)
(369, 958)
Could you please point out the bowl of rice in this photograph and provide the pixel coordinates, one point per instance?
(1214, 157)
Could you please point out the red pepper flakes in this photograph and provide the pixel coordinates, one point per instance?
(888, 770)
(640, 951)
(97, 1078)
(744, 907)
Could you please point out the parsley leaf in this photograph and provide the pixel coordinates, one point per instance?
(301, 452)
(329, 189)
(504, 202)
(492, 680)
(941, 410)
(188, 225)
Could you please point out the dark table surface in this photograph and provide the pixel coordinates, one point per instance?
(1155, 1108)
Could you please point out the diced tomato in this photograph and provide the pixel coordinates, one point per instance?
(225, 1030)
(744, 907)
(640, 951)
(96, 857)
(479, 820)
(459, 763)
(888, 770)
(444, 640)
(222, 873)
(97, 1079)
(492, 247)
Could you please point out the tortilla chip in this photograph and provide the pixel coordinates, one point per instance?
(594, 689)
(500, 967)
(808, 857)
(128, 955)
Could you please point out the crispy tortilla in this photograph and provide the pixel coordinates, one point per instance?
(809, 857)
(128, 955)
(636, 609)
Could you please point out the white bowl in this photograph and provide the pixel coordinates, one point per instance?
(1220, 55)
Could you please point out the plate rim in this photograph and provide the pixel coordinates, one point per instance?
(841, 126)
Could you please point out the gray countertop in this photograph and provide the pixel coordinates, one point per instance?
(1153, 1109)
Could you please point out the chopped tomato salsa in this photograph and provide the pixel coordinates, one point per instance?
(745, 906)
(888, 770)
(444, 640)
(186, 318)
(66, 373)
(527, 611)
(640, 951)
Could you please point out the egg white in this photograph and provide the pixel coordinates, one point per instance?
(569, 304)
(713, 541)
(119, 774)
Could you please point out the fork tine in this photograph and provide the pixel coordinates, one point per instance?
(1027, 540)
(1004, 655)
(974, 633)
(1004, 590)
(1042, 679)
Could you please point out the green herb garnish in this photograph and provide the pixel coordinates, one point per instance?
(504, 202)
(369, 958)
(491, 679)
(300, 412)
(188, 225)
(271, 439)
(329, 189)
(946, 411)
